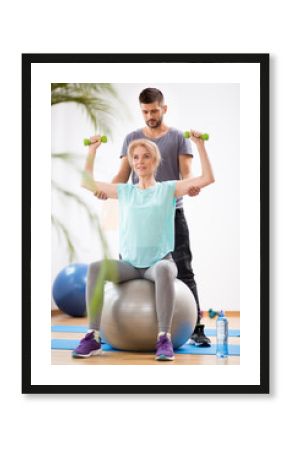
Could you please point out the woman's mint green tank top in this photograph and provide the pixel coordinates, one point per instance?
(146, 222)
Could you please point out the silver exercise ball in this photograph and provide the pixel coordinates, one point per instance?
(129, 319)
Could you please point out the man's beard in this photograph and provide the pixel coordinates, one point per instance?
(154, 123)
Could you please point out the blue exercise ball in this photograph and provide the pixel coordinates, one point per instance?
(69, 289)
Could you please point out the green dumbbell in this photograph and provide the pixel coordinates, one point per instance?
(87, 141)
(204, 136)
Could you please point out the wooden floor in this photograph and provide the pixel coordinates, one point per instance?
(63, 357)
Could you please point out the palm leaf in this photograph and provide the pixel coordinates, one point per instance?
(61, 228)
(69, 158)
(97, 99)
(108, 272)
(93, 218)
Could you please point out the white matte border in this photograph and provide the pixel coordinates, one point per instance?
(248, 76)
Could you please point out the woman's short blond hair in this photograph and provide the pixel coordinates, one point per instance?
(148, 145)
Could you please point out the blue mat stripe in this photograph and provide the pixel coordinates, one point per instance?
(233, 332)
(188, 349)
(71, 344)
(69, 328)
(83, 329)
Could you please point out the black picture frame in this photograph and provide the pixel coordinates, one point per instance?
(263, 61)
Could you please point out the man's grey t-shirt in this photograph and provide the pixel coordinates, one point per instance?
(171, 145)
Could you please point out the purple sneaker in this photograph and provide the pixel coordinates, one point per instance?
(164, 349)
(87, 347)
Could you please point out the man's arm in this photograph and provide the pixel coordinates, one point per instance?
(185, 166)
(124, 171)
(206, 177)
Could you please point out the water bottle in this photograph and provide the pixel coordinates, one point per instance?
(222, 336)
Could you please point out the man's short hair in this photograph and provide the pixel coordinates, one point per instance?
(151, 95)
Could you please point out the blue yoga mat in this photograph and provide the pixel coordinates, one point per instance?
(186, 349)
(83, 329)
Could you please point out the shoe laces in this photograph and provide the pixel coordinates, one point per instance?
(199, 330)
(164, 340)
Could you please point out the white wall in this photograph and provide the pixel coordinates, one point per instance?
(213, 216)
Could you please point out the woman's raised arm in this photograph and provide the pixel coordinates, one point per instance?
(206, 177)
(88, 181)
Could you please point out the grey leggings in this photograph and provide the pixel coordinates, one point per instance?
(163, 273)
